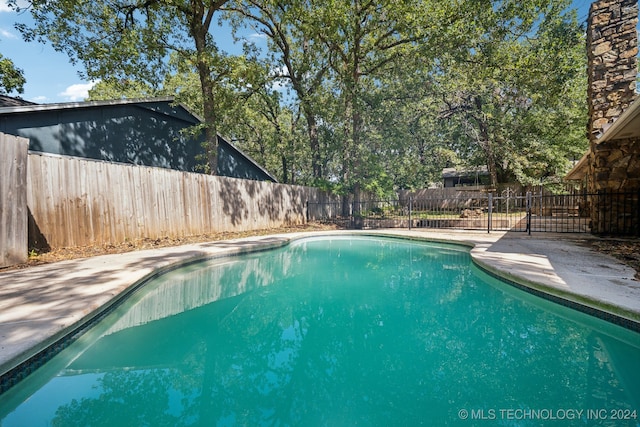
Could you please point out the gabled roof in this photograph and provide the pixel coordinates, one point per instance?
(31, 107)
(460, 172)
(246, 156)
(9, 101)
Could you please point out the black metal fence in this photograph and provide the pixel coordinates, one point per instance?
(602, 213)
(615, 213)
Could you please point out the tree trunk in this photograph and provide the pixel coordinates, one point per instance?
(199, 26)
(490, 156)
(484, 140)
(210, 118)
(314, 144)
(285, 171)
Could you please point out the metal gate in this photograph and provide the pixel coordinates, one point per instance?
(490, 212)
(505, 211)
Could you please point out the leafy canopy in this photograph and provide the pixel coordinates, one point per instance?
(356, 94)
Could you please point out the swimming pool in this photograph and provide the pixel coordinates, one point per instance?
(337, 331)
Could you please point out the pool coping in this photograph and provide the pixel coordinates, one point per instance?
(43, 308)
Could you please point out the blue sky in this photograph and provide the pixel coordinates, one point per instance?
(51, 77)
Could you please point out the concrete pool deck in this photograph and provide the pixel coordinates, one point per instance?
(40, 305)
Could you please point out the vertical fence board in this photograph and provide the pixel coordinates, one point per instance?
(79, 202)
(13, 200)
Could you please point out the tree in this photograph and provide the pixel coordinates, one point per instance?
(270, 132)
(11, 78)
(364, 41)
(414, 145)
(387, 92)
(514, 90)
(121, 39)
(290, 31)
(120, 89)
(259, 121)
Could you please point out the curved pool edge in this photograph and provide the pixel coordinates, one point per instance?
(594, 291)
(535, 273)
(158, 261)
(548, 286)
(52, 339)
(584, 303)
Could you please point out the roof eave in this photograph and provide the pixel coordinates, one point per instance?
(622, 127)
(578, 172)
(84, 104)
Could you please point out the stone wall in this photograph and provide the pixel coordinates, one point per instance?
(614, 165)
(612, 48)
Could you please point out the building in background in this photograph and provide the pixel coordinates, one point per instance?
(466, 177)
(149, 132)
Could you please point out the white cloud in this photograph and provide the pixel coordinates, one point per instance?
(6, 34)
(279, 85)
(78, 92)
(39, 99)
(4, 7)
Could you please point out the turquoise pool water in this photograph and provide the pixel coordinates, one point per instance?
(337, 332)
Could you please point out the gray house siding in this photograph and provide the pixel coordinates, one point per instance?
(234, 163)
(146, 132)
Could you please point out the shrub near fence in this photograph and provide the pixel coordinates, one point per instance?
(79, 202)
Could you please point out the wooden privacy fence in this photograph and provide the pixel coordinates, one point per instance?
(13, 199)
(79, 202)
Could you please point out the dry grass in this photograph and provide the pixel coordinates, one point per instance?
(141, 244)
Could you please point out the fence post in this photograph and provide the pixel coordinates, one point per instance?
(353, 213)
(410, 207)
(636, 221)
(602, 222)
(490, 211)
(529, 212)
(13, 200)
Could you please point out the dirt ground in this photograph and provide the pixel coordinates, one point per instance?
(141, 244)
(625, 250)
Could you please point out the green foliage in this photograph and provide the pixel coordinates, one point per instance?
(124, 40)
(11, 78)
(351, 95)
(112, 88)
(516, 91)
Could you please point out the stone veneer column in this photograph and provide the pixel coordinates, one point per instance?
(612, 49)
